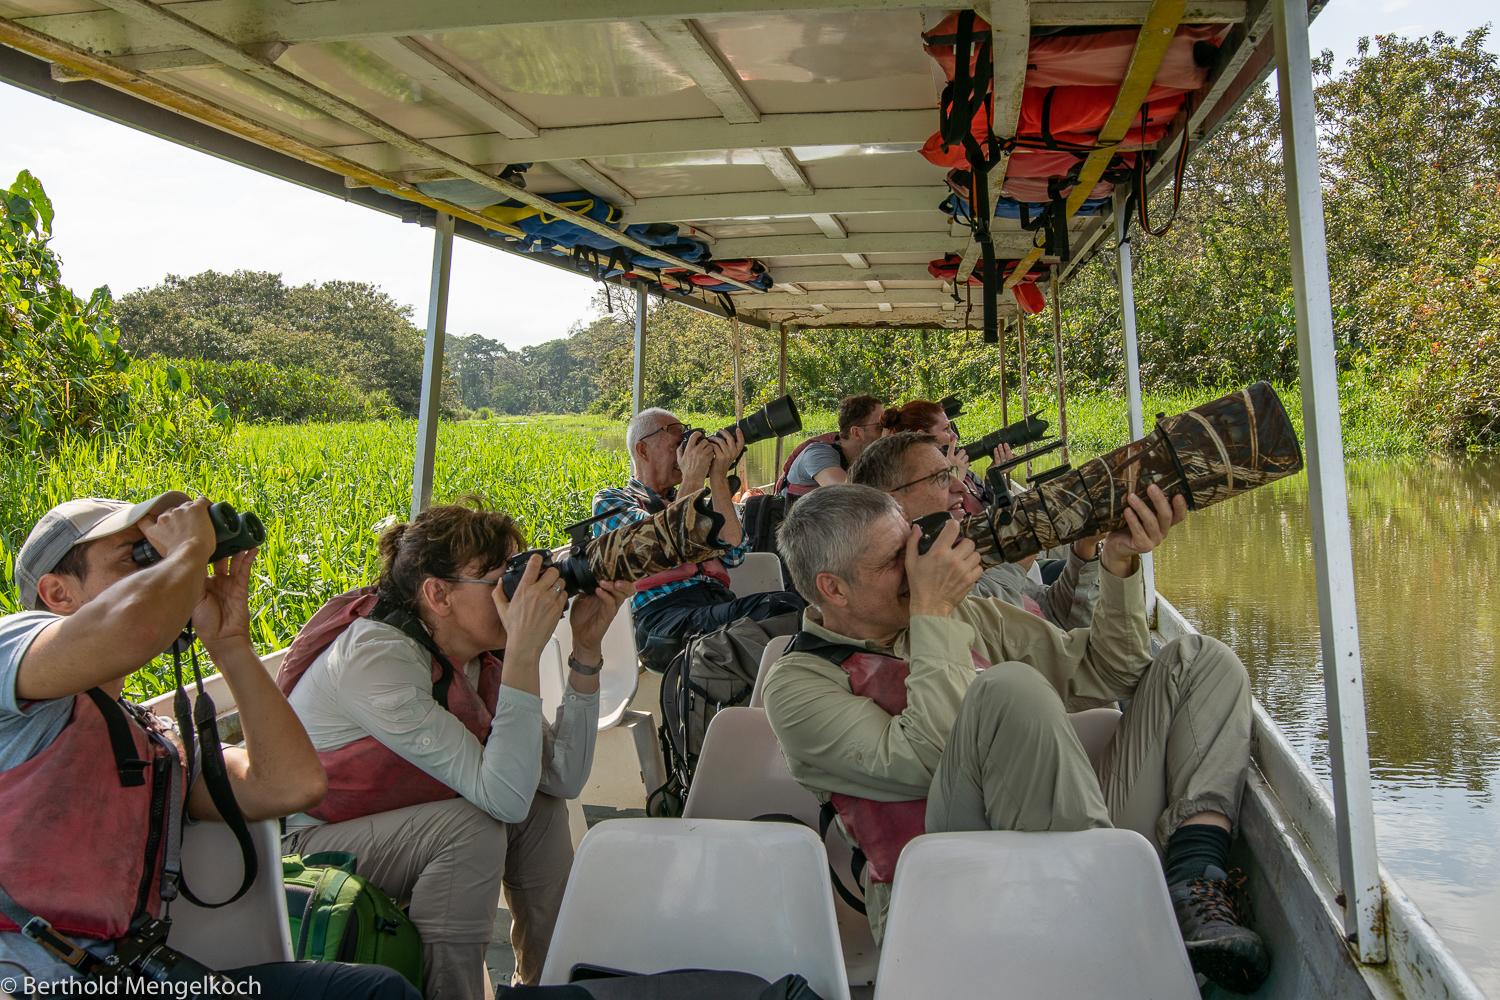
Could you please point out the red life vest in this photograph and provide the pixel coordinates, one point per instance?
(879, 829)
(1100, 58)
(366, 776)
(713, 568)
(783, 485)
(79, 845)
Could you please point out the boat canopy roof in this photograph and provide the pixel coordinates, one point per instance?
(797, 135)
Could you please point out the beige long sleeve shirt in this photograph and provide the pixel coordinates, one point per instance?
(836, 741)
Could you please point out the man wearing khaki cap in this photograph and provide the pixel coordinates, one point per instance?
(92, 788)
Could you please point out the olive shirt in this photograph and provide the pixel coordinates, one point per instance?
(836, 741)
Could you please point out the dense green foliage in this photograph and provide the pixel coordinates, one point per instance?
(63, 372)
(344, 327)
(545, 378)
(257, 392)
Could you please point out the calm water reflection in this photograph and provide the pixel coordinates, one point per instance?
(1426, 558)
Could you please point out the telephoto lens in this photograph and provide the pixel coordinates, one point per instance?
(233, 532)
(777, 418)
(1022, 432)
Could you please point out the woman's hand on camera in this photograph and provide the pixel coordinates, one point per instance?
(591, 617)
(532, 612)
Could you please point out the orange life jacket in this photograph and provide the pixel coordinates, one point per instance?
(366, 776)
(83, 844)
(879, 829)
(783, 482)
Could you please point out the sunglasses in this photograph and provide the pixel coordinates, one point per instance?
(941, 478)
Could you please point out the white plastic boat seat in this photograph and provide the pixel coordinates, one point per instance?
(617, 682)
(215, 687)
(741, 775)
(253, 929)
(774, 649)
(760, 573)
(650, 895)
(1081, 914)
(1095, 728)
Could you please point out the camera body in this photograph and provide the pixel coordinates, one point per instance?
(233, 532)
(144, 955)
(932, 525)
(777, 418)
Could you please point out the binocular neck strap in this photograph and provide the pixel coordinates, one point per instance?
(205, 723)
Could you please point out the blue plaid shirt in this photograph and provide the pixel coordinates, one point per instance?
(640, 501)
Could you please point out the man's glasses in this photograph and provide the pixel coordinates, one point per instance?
(941, 478)
(667, 427)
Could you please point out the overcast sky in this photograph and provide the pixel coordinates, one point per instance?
(133, 209)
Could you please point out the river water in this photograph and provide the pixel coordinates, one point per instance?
(1426, 559)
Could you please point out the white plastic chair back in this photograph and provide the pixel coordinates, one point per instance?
(216, 687)
(774, 649)
(1095, 728)
(760, 573)
(1081, 914)
(253, 930)
(741, 775)
(648, 895)
(618, 681)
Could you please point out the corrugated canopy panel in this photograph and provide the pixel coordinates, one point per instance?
(795, 136)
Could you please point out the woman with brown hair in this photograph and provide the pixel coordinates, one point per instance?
(926, 417)
(444, 779)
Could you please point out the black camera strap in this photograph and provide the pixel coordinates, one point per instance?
(211, 758)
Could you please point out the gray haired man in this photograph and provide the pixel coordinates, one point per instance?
(878, 706)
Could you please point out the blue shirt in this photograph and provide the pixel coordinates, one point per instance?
(636, 501)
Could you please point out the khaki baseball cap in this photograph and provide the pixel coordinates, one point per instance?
(68, 524)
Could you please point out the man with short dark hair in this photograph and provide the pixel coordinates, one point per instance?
(674, 605)
(913, 707)
(825, 459)
(915, 470)
(93, 788)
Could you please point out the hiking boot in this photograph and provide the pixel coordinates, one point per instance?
(1218, 943)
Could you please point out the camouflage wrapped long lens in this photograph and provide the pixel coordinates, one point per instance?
(686, 532)
(1208, 454)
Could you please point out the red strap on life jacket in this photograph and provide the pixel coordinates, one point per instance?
(712, 568)
(880, 829)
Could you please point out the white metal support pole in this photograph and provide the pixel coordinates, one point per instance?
(1133, 371)
(739, 380)
(638, 391)
(776, 472)
(1343, 680)
(1021, 349)
(432, 365)
(1057, 364)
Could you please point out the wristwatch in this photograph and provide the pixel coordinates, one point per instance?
(573, 664)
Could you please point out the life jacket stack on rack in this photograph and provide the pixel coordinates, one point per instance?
(1028, 296)
(595, 254)
(1073, 78)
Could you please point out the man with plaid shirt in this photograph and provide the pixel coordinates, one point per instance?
(671, 607)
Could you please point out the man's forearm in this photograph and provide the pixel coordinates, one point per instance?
(117, 632)
(723, 500)
(283, 773)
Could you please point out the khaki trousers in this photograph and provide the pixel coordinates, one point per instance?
(449, 860)
(1014, 762)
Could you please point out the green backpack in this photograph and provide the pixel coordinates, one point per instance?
(336, 916)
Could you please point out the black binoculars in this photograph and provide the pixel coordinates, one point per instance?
(234, 532)
(777, 418)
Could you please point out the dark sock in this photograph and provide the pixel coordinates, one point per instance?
(1193, 848)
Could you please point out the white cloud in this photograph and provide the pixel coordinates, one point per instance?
(132, 208)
